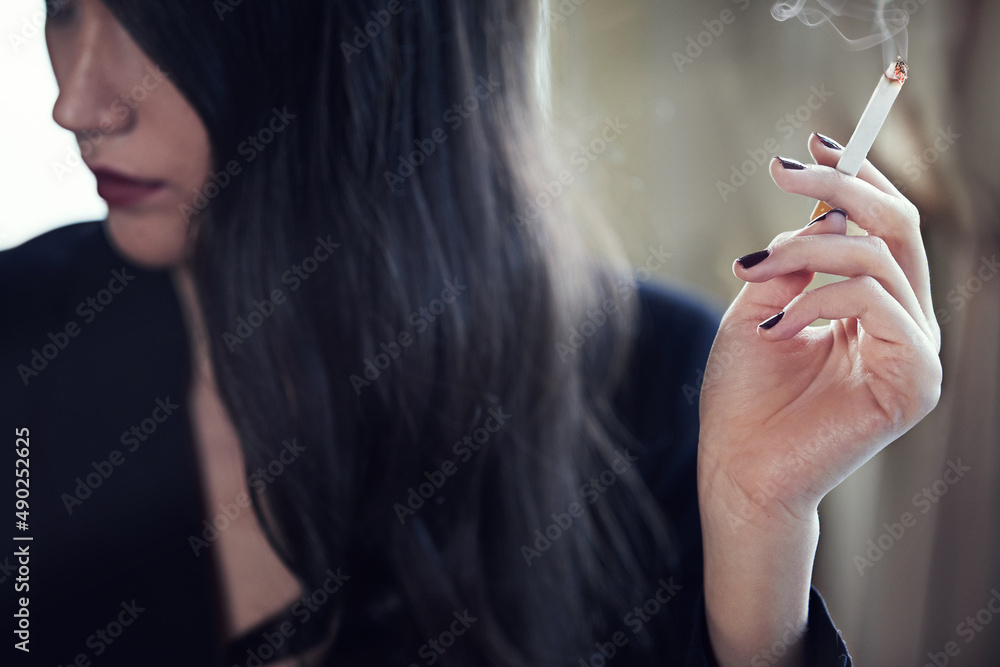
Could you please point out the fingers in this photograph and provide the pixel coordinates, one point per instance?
(874, 205)
(831, 222)
(840, 255)
(902, 371)
(827, 152)
(780, 289)
(882, 214)
(862, 298)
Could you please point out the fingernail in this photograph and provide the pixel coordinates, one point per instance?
(828, 142)
(771, 321)
(753, 259)
(788, 163)
(824, 216)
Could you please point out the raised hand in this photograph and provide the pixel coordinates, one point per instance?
(788, 411)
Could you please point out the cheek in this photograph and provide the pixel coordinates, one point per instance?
(189, 151)
(175, 142)
(184, 138)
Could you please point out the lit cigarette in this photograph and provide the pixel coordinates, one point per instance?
(874, 116)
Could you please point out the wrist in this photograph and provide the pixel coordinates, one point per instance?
(758, 572)
(741, 486)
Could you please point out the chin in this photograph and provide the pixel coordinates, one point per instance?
(150, 240)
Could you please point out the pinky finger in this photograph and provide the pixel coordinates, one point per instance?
(861, 298)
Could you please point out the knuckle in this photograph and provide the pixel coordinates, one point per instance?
(931, 394)
(781, 239)
(878, 246)
(878, 210)
(870, 286)
(836, 182)
(935, 331)
(838, 178)
(910, 213)
(807, 301)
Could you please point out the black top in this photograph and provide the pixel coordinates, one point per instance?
(94, 363)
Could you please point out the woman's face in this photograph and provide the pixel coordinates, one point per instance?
(145, 144)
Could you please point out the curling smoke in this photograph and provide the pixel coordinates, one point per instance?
(888, 24)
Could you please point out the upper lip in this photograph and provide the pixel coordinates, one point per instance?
(106, 172)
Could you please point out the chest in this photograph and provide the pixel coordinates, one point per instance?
(252, 582)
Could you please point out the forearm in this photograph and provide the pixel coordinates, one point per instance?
(758, 573)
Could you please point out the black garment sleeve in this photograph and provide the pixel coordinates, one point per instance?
(93, 370)
(824, 647)
(660, 405)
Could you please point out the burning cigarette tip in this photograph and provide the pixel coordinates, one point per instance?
(897, 70)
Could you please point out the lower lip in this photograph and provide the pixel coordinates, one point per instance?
(124, 192)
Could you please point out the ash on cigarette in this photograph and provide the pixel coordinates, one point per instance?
(897, 70)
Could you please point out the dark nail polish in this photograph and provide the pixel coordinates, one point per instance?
(824, 216)
(753, 259)
(770, 322)
(828, 142)
(788, 163)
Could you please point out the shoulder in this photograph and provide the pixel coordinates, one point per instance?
(674, 320)
(658, 402)
(673, 335)
(58, 248)
(70, 284)
(37, 276)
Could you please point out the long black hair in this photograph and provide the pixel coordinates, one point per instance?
(385, 278)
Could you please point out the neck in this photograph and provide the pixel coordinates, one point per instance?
(201, 367)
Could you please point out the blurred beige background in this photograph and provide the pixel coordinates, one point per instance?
(759, 86)
(684, 127)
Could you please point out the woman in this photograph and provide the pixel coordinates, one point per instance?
(463, 442)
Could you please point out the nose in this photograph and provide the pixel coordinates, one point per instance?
(85, 60)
